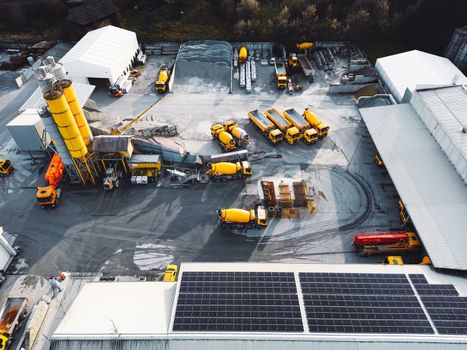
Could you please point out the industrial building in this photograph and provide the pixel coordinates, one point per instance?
(403, 72)
(457, 49)
(271, 306)
(106, 53)
(424, 149)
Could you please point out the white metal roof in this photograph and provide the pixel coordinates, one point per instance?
(83, 91)
(444, 111)
(408, 69)
(126, 308)
(430, 187)
(102, 53)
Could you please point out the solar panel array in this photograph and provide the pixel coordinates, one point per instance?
(446, 308)
(362, 303)
(238, 302)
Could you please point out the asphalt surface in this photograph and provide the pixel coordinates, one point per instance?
(139, 230)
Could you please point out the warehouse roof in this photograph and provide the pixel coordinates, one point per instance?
(408, 69)
(431, 189)
(102, 53)
(83, 91)
(444, 111)
(124, 308)
(228, 294)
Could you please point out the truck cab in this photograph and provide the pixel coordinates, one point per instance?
(5, 167)
(47, 197)
(170, 274)
(292, 135)
(246, 168)
(275, 136)
(310, 136)
(216, 129)
(261, 217)
(162, 80)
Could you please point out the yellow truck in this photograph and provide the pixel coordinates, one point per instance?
(281, 75)
(12, 314)
(235, 218)
(243, 54)
(162, 82)
(144, 168)
(292, 134)
(313, 120)
(309, 134)
(225, 171)
(370, 243)
(292, 62)
(6, 167)
(266, 126)
(237, 132)
(223, 138)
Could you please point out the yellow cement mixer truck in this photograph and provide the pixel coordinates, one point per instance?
(242, 54)
(321, 128)
(237, 132)
(235, 218)
(223, 138)
(225, 171)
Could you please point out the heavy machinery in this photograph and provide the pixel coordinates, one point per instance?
(234, 218)
(281, 75)
(292, 134)
(398, 260)
(121, 129)
(243, 54)
(267, 127)
(309, 134)
(292, 62)
(6, 167)
(162, 83)
(170, 273)
(305, 46)
(313, 120)
(237, 132)
(48, 196)
(222, 137)
(13, 312)
(225, 171)
(112, 178)
(370, 243)
(144, 168)
(379, 161)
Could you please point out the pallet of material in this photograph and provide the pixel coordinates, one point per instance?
(285, 196)
(290, 213)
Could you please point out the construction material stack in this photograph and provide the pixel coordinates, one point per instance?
(292, 134)
(266, 126)
(309, 134)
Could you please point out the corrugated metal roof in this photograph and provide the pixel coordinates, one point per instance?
(444, 112)
(408, 69)
(430, 187)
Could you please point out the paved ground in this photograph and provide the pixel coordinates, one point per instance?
(136, 230)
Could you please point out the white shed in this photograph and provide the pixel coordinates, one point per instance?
(414, 68)
(105, 53)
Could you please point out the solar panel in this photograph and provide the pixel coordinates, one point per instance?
(418, 278)
(448, 313)
(362, 303)
(238, 302)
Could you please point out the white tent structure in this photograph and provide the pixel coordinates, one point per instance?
(414, 68)
(104, 53)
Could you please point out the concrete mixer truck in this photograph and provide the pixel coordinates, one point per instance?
(234, 218)
(223, 138)
(225, 171)
(48, 196)
(238, 133)
(243, 54)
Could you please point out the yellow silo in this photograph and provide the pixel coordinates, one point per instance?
(67, 126)
(76, 110)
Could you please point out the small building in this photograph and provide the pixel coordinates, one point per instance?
(113, 144)
(102, 55)
(403, 72)
(28, 131)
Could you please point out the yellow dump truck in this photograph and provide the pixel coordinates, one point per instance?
(281, 75)
(225, 171)
(223, 138)
(162, 82)
(313, 120)
(309, 134)
(237, 132)
(6, 167)
(292, 134)
(235, 218)
(144, 168)
(266, 126)
(242, 54)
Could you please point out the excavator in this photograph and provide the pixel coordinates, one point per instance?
(48, 196)
(6, 167)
